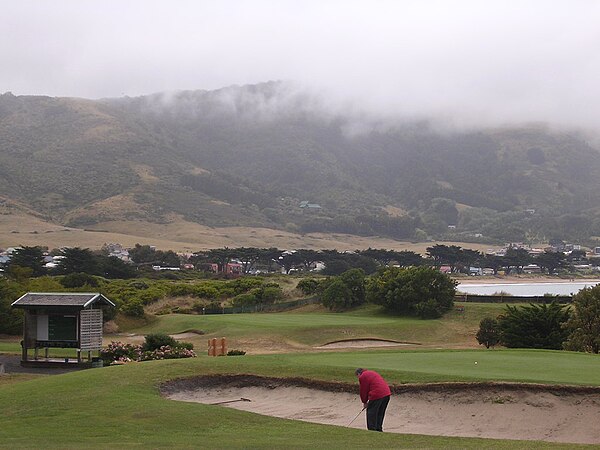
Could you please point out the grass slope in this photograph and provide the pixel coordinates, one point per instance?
(317, 328)
(120, 406)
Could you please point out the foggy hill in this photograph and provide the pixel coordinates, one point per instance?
(251, 155)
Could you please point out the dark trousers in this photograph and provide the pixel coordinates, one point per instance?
(376, 413)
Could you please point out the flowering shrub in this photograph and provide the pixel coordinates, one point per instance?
(168, 352)
(121, 353)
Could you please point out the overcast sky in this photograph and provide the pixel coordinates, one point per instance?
(479, 61)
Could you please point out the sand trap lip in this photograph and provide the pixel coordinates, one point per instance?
(364, 343)
(183, 335)
(567, 414)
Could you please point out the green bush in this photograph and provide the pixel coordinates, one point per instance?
(236, 353)
(269, 294)
(534, 326)
(244, 284)
(182, 290)
(150, 295)
(400, 290)
(429, 309)
(244, 300)
(206, 291)
(133, 309)
(80, 279)
(214, 307)
(337, 296)
(308, 286)
(157, 340)
(584, 324)
(489, 332)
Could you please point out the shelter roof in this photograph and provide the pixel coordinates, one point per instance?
(61, 299)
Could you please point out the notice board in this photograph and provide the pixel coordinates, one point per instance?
(62, 328)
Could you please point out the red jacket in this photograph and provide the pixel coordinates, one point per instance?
(372, 386)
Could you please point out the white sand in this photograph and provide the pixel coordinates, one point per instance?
(501, 414)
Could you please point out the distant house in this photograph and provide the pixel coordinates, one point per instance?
(159, 268)
(306, 204)
(117, 251)
(532, 268)
(475, 271)
(233, 269)
(230, 269)
(445, 269)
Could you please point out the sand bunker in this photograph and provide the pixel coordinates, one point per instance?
(363, 343)
(502, 411)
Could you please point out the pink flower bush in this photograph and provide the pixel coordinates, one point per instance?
(122, 353)
(168, 352)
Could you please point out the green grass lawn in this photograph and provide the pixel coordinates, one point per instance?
(313, 329)
(10, 347)
(120, 406)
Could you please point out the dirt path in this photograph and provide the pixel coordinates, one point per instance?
(554, 414)
(12, 364)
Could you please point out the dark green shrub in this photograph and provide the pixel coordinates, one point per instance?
(214, 307)
(78, 279)
(205, 291)
(269, 294)
(489, 332)
(150, 295)
(400, 290)
(244, 284)
(429, 309)
(236, 353)
(337, 296)
(182, 290)
(308, 286)
(138, 284)
(133, 308)
(243, 300)
(534, 326)
(169, 275)
(157, 340)
(584, 324)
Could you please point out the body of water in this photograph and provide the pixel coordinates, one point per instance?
(526, 289)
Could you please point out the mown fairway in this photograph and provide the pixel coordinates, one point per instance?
(120, 406)
(317, 328)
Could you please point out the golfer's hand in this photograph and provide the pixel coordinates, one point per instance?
(365, 405)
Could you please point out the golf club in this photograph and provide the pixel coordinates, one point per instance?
(356, 416)
(241, 399)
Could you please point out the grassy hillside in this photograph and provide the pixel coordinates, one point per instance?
(248, 156)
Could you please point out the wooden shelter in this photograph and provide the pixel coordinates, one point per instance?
(61, 320)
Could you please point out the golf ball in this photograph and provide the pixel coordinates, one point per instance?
(475, 362)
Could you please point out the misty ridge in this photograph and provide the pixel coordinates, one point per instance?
(255, 155)
(292, 100)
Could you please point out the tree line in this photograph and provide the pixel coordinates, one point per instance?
(29, 261)
(547, 326)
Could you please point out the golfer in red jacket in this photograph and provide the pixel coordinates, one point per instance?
(375, 395)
